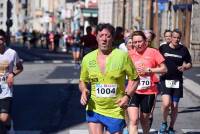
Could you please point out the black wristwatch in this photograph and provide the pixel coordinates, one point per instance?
(14, 74)
(126, 94)
(149, 70)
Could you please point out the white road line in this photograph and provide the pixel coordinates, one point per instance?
(197, 75)
(57, 61)
(63, 81)
(151, 130)
(191, 85)
(196, 131)
(50, 61)
(39, 61)
(78, 131)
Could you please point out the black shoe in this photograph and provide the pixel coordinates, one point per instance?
(171, 131)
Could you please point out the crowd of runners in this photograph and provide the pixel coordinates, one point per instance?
(121, 75)
(120, 80)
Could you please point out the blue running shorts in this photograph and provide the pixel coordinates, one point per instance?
(112, 125)
(175, 99)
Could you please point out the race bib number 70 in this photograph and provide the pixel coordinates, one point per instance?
(106, 90)
(145, 83)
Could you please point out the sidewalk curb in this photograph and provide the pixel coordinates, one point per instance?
(188, 90)
(196, 65)
(43, 54)
(191, 86)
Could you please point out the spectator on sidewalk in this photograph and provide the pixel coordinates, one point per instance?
(51, 42)
(57, 37)
(88, 41)
(76, 47)
(25, 38)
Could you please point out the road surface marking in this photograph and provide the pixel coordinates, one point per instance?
(198, 75)
(190, 131)
(78, 131)
(191, 86)
(39, 61)
(57, 61)
(62, 81)
(151, 130)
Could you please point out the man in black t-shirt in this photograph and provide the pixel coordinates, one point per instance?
(177, 59)
(88, 41)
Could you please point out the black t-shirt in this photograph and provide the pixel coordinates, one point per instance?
(89, 41)
(173, 59)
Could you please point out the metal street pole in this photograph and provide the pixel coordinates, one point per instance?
(124, 14)
(9, 22)
(188, 23)
(149, 16)
(156, 25)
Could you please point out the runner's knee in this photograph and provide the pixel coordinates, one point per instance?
(4, 118)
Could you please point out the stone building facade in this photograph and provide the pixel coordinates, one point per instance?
(195, 32)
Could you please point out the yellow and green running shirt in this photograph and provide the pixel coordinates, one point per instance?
(107, 88)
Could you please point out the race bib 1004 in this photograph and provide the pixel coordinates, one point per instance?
(145, 83)
(172, 83)
(106, 90)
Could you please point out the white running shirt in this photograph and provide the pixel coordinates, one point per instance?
(7, 62)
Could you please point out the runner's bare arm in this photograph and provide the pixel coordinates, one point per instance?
(130, 90)
(162, 69)
(185, 66)
(84, 92)
(19, 69)
(132, 86)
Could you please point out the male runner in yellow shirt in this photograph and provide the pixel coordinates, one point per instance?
(105, 69)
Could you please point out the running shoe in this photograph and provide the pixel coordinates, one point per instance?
(125, 131)
(163, 128)
(171, 131)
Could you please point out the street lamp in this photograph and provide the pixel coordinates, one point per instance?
(9, 22)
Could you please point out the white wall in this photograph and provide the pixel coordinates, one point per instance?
(105, 11)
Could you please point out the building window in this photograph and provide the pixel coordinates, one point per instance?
(40, 4)
(1, 14)
(1, 22)
(1, 5)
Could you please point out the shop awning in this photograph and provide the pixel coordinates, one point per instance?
(182, 7)
(163, 1)
(89, 12)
